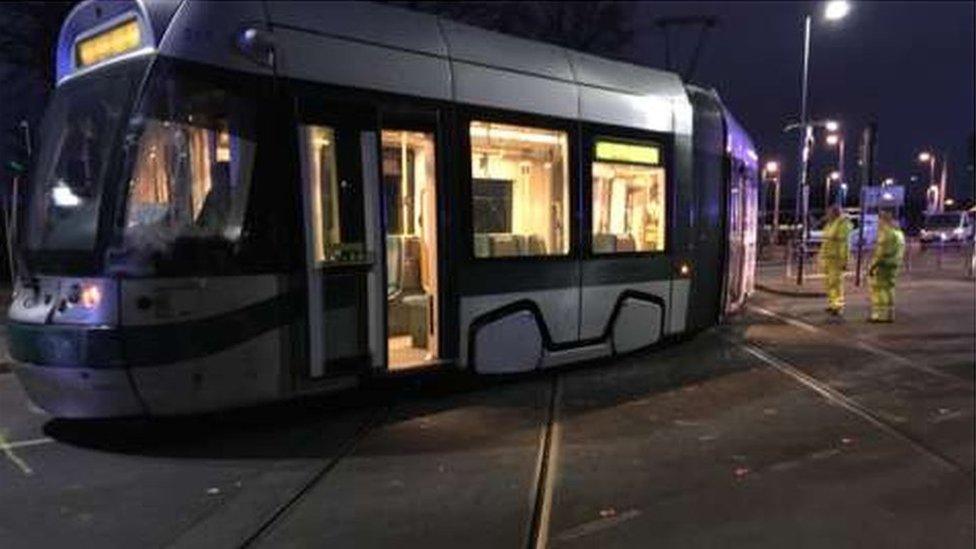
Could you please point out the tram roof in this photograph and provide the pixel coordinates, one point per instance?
(385, 48)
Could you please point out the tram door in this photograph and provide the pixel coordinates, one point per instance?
(409, 196)
(736, 231)
(340, 174)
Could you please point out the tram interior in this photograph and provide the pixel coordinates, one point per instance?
(628, 208)
(520, 194)
(409, 187)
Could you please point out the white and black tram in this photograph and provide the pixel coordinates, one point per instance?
(235, 203)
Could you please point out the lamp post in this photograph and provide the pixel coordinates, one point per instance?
(771, 174)
(833, 10)
(832, 176)
(837, 140)
(935, 198)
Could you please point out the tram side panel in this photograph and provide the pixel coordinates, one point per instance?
(709, 230)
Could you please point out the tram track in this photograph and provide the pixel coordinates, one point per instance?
(546, 463)
(853, 407)
(866, 346)
(376, 418)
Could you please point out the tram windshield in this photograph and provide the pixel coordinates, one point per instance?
(80, 132)
(191, 166)
(171, 168)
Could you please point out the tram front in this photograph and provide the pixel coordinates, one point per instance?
(144, 281)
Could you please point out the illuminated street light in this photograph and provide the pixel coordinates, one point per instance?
(935, 193)
(833, 139)
(832, 125)
(771, 173)
(835, 175)
(949, 202)
(833, 10)
(888, 181)
(836, 9)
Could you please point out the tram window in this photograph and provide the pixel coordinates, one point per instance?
(336, 206)
(628, 198)
(519, 190)
(192, 170)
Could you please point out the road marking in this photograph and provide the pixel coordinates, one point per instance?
(546, 464)
(597, 525)
(852, 406)
(25, 443)
(865, 346)
(8, 450)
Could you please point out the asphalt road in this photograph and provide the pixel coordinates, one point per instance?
(781, 428)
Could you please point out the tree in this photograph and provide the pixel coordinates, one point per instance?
(29, 32)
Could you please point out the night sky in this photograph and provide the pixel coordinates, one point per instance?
(908, 64)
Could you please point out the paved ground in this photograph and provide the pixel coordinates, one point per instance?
(781, 428)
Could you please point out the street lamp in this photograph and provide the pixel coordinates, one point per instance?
(836, 9)
(836, 139)
(771, 173)
(832, 176)
(935, 202)
(833, 10)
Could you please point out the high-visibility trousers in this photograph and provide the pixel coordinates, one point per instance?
(835, 286)
(883, 293)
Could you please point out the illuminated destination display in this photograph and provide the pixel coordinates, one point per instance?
(109, 43)
(616, 151)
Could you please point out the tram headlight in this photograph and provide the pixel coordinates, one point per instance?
(91, 296)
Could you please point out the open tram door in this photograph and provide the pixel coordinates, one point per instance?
(370, 204)
(339, 153)
(409, 169)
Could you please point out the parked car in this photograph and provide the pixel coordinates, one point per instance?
(946, 227)
(870, 231)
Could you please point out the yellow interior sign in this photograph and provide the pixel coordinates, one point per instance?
(108, 43)
(615, 151)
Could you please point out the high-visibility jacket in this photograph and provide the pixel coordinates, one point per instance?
(835, 248)
(889, 249)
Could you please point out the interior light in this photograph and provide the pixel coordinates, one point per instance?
(91, 296)
(482, 131)
(108, 43)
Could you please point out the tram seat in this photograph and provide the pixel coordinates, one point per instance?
(504, 245)
(625, 243)
(482, 245)
(394, 250)
(537, 246)
(604, 243)
(408, 304)
(213, 213)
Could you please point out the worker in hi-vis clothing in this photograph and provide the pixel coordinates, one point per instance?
(833, 255)
(885, 262)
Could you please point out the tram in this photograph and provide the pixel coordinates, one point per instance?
(241, 202)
